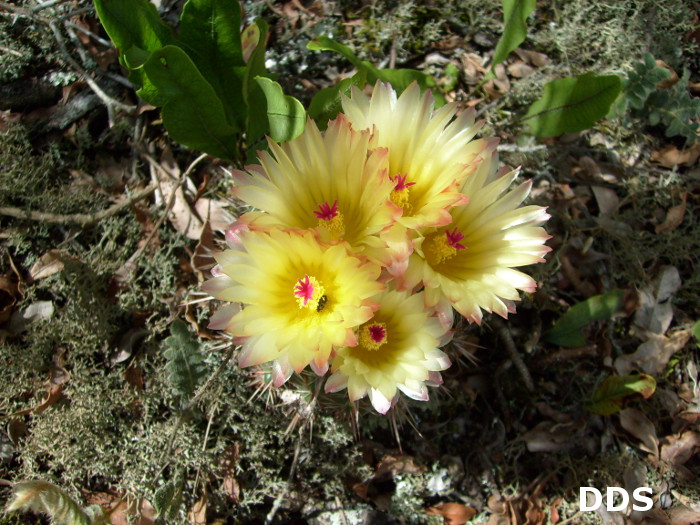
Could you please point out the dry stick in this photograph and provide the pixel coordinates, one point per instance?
(515, 356)
(106, 99)
(11, 51)
(278, 500)
(514, 148)
(81, 219)
(340, 509)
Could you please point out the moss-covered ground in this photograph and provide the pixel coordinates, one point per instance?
(87, 398)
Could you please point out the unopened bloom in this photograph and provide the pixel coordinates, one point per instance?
(398, 349)
(300, 298)
(469, 264)
(430, 151)
(329, 182)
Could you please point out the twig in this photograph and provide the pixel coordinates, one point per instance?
(89, 33)
(106, 99)
(50, 3)
(514, 148)
(75, 12)
(340, 509)
(486, 108)
(11, 51)
(515, 356)
(295, 461)
(81, 219)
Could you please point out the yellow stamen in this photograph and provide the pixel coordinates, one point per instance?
(335, 226)
(401, 199)
(437, 248)
(373, 335)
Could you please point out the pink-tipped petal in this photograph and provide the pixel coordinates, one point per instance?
(336, 383)
(380, 403)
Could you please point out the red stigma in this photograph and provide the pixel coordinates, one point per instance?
(453, 239)
(327, 212)
(401, 183)
(304, 289)
(377, 333)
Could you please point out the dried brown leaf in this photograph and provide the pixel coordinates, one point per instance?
(10, 292)
(607, 199)
(549, 436)
(677, 450)
(554, 516)
(520, 70)
(683, 515)
(399, 464)
(202, 259)
(453, 513)
(48, 264)
(655, 312)
(670, 156)
(674, 216)
(198, 513)
(652, 356)
(639, 425)
(671, 80)
(532, 57)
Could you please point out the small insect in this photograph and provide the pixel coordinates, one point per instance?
(322, 303)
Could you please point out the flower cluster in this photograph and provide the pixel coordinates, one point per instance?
(367, 235)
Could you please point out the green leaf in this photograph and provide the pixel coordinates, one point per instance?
(400, 79)
(324, 43)
(210, 34)
(515, 13)
(677, 109)
(326, 103)
(257, 125)
(696, 333)
(192, 113)
(163, 497)
(572, 104)
(609, 396)
(132, 23)
(134, 58)
(185, 363)
(567, 330)
(285, 114)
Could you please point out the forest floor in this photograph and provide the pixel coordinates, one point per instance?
(93, 280)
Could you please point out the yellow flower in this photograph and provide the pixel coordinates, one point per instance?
(469, 264)
(398, 349)
(430, 152)
(301, 299)
(329, 182)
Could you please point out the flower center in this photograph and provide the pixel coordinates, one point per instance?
(401, 192)
(439, 248)
(373, 336)
(330, 219)
(310, 293)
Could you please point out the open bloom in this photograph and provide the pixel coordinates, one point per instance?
(330, 182)
(397, 350)
(300, 298)
(430, 152)
(470, 263)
